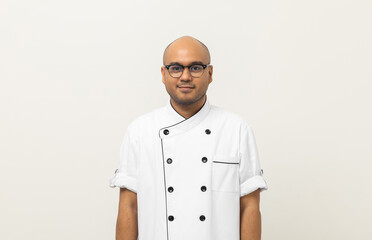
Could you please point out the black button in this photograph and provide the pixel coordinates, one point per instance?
(169, 160)
(202, 218)
(170, 189)
(207, 131)
(203, 188)
(170, 218)
(166, 131)
(204, 159)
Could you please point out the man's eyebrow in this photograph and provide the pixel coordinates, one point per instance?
(174, 63)
(195, 62)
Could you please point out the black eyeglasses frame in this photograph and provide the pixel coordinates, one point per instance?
(204, 66)
(183, 67)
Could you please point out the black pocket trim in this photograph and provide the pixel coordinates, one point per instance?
(226, 162)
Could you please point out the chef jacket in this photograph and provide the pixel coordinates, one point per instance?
(189, 174)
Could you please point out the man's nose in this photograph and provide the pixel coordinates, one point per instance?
(185, 74)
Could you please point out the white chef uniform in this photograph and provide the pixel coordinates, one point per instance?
(189, 174)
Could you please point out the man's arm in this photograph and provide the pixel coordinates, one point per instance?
(127, 223)
(250, 216)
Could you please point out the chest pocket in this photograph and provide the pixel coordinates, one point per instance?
(225, 173)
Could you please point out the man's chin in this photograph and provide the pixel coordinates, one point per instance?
(186, 99)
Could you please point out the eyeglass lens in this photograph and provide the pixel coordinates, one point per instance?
(177, 70)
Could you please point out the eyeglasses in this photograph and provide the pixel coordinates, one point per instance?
(176, 70)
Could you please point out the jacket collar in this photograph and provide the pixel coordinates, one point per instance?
(178, 124)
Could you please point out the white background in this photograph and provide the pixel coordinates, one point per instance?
(75, 73)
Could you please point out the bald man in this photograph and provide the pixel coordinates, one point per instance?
(188, 170)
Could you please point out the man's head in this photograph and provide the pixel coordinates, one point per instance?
(186, 51)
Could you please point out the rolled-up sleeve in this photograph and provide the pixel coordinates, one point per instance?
(251, 174)
(126, 174)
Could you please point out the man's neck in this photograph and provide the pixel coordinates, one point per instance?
(188, 111)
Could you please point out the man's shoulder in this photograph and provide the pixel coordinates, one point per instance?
(146, 118)
(229, 116)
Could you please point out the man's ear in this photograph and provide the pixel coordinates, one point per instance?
(210, 73)
(163, 74)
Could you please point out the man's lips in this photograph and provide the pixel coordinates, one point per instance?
(186, 88)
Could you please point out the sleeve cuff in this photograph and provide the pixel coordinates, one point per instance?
(253, 184)
(123, 181)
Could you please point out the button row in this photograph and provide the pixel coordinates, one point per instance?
(171, 218)
(203, 189)
(166, 131)
(204, 160)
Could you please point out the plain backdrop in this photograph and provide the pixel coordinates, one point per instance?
(75, 73)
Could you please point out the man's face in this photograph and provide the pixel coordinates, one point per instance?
(186, 89)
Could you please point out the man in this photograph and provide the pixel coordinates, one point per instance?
(189, 170)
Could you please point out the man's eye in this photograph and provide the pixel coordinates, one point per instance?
(175, 68)
(196, 68)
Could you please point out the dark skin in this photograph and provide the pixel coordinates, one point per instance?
(185, 51)
(127, 223)
(187, 101)
(250, 216)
